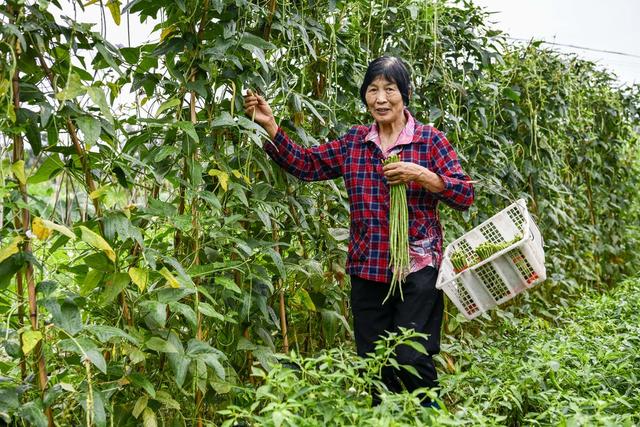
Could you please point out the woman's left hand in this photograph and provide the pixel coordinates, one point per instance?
(406, 172)
(403, 172)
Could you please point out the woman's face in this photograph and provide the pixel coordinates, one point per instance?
(384, 101)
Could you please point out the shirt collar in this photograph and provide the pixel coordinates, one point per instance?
(405, 137)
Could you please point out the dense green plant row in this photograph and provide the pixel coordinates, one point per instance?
(151, 255)
(581, 367)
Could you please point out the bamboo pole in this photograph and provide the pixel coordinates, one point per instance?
(18, 155)
(282, 303)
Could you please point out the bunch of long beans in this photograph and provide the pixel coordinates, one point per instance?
(398, 234)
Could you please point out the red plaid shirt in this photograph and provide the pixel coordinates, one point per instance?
(360, 163)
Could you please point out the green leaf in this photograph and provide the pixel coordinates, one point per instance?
(33, 412)
(166, 400)
(73, 89)
(109, 58)
(189, 129)
(97, 242)
(106, 333)
(142, 382)
(29, 340)
(113, 287)
(95, 356)
(90, 128)
(249, 39)
(511, 94)
(223, 120)
(149, 418)
(277, 260)
(50, 167)
(91, 280)
(98, 98)
(305, 299)
(9, 267)
(160, 345)
(69, 318)
(209, 311)
(228, 283)
(186, 311)
(140, 405)
(173, 102)
(99, 415)
(9, 401)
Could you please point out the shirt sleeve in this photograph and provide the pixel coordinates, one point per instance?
(458, 191)
(317, 163)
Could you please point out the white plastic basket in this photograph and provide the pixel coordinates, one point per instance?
(489, 282)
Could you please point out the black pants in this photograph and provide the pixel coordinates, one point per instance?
(421, 310)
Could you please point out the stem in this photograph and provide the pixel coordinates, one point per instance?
(18, 154)
(283, 310)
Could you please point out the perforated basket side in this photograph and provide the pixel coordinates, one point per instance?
(462, 299)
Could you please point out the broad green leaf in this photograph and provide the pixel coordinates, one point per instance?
(186, 311)
(114, 8)
(11, 248)
(68, 317)
(51, 166)
(18, 171)
(189, 129)
(167, 31)
(173, 102)
(98, 98)
(228, 283)
(140, 277)
(73, 89)
(114, 286)
(90, 128)
(209, 311)
(110, 60)
(224, 120)
(99, 414)
(106, 333)
(95, 240)
(277, 260)
(172, 281)
(9, 400)
(149, 418)
(143, 383)
(160, 345)
(140, 405)
(95, 356)
(33, 412)
(166, 400)
(305, 299)
(29, 340)
(91, 280)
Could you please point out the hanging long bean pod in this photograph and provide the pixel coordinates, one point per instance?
(398, 234)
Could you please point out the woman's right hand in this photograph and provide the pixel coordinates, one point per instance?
(259, 110)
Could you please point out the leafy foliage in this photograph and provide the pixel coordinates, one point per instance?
(581, 367)
(151, 256)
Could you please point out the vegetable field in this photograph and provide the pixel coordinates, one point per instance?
(157, 269)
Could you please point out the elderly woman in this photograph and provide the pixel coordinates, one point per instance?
(429, 167)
